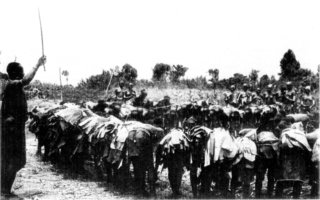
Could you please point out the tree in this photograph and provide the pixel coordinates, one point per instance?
(161, 72)
(99, 82)
(264, 81)
(273, 79)
(239, 79)
(289, 66)
(253, 76)
(128, 73)
(177, 71)
(65, 73)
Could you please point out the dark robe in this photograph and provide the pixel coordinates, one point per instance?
(13, 142)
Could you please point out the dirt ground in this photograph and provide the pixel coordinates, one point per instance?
(43, 180)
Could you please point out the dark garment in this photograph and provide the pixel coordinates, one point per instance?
(13, 118)
(130, 94)
(269, 99)
(293, 164)
(138, 102)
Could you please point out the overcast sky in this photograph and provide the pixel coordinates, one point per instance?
(85, 37)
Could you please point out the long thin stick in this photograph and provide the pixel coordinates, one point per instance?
(109, 83)
(44, 67)
(60, 84)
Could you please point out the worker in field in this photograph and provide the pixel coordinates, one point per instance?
(13, 118)
(141, 100)
(118, 95)
(164, 105)
(121, 85)
(281, 95)
(129, 94)
(256, 97)
(290, 93)
(245, 97)
(188, 124)
(268, 96)
(230, 97)
(307, 101)
(164, 102)
(290, 99)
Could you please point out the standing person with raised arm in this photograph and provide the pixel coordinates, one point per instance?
(13, 118)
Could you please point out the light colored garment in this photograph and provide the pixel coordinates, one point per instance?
(174, 139)
(220, 146)
(71, 114)
(294, 138)
(250, 133)
(299, 117)
(298, 126)
(316, 151)
(313, 136)
(247, 148)
(266, 136)
(124, 129)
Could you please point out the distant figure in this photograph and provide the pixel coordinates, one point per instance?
(244, 98)
(130, 93)
(13, 118)
(230, 98)
(268, 97)
(290, 94)
(118, 95)
(163, 105)
(307, 101)
(46, 93)
(35, 92)
(281, 95)
(164, 102)
(256, 97)
(290, 100)
(141, 100)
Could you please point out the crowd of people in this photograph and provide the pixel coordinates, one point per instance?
(293, 100)
(14, 115)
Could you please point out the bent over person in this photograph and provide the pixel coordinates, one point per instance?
(13, 118)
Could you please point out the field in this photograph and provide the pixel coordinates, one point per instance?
(43, 180)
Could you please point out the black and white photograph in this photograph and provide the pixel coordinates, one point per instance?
(150, 99)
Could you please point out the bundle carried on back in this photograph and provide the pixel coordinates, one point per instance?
(291, 137)
(175, 139)
(299, 117)
(72, 115)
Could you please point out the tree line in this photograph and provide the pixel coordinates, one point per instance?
(173, 75)
(165, 75)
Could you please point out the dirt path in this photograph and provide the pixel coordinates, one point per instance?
(42, 180)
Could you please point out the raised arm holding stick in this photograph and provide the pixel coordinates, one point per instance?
(13, 118)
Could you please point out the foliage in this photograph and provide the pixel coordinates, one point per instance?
(96, 85)
(161, 72)
(101, 81)
(176, 72)
(199, 82)
(128, 73)
(264, 81)
(290, 68)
